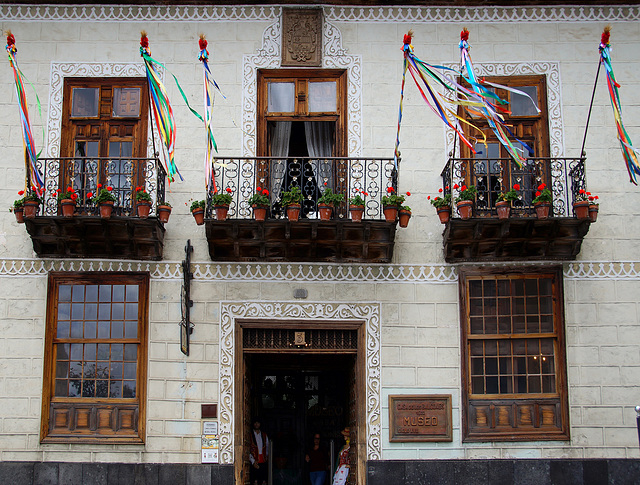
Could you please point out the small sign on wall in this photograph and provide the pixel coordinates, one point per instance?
(420, 418)
(210, 442)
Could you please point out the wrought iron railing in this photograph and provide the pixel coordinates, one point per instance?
(564, 177)
(84, 174)
(243, 175)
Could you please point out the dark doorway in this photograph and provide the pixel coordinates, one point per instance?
(296, 396)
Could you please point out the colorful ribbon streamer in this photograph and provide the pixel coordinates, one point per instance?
(629, 153)
(209, 84)
(37, 182)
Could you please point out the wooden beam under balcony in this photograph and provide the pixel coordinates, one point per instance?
(516, 239)
(334, 241)
(119, 237)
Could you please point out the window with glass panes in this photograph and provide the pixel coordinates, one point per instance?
(104, 130)
(513, 353)
(96, 341)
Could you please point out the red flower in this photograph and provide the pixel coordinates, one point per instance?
(581, 191)
(440, 189)
(591, 198)
(21, 192)
(516, 186)
(588, 193)
(408, 194)
(447, 187)
(69, 189)
(58, 191)
(138, 188)
(325, 183)
(428, 197)
(228, 190)
(597, 197)
(89, 195)
(365, 193)
(389, 190)
(265, 192)
(463, 188)
(538, 193)
(456, 187)
(258, 189)
(99, 185)
(109, 188)
(74, 196)
(541, 186)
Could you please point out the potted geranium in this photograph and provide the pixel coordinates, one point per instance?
(67, 201)
(593, 207)
(442, 206)
(197, 210)
(221, 202)
(356, 205)
(292, 200)
(503, 205)
(105, 200)
(259, 202)
(18, 208)
(163, 208)
(391, 203)
(465, 200)
(542, 201)
(327, 202)
(143, 202)
(31, 204)
(581, 205)
(404, 214)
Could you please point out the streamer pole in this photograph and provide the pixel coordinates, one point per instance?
(593, 94)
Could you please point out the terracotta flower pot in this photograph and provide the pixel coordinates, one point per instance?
(30, 209)
(581, 209)
(293, 212)
(198, 215)
(143, 208)
(390, 213)
(325, 211)
(68, 207)
(221, 212)
(444, 213)
(403, 217)
(106, 208)
(259, 212)
(465, 209)
(593, 212)
(503, 207)
(19, 213)
(164, 211)
(542, 209)
(356, 212)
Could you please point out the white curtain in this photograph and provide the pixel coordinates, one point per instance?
(319, 137)
(280, 136)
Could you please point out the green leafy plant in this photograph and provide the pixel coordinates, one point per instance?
(293, 196)
(69, 194)
(511, 195)
(164, 202)
(18, 203)
(197, 204)
(329, 198)
(440, 202)
(593, 199)
(32, 196)
(222, 198)
(405, 208)
(105, 195)
(466, 193)
(260, 198)
(543, 194)
(392, 198)
(142, 195)
(357, 200)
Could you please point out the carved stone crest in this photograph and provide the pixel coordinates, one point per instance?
(301, 37)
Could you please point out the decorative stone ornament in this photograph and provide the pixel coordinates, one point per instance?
(302, 37)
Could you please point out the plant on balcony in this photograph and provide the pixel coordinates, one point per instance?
(356, 205)
(143, 199)
(67, 201)
(221, 202)
(197, 210)
(542, 201)
(327, 201)
(404, 214)
(503, 205)
(581, 204)
(594, 207)
(31, 203)
(442, 205)
(163, 209)
(292, 199)
(260, 202)
(105, 199)
(465, 199)
(18, 208)
(391, 203)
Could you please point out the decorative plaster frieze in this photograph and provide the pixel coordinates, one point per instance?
(305, 272)
(368, 313)
(249, 13)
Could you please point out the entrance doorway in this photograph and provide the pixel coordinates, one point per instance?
(298, 391)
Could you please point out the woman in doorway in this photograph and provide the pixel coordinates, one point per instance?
(341, 474)
(318, 461)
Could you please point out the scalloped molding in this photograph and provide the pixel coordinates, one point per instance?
(369, 313)
(307, 273)
(135, 13)
(333, 56)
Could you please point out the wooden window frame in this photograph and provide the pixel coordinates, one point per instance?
(106, 420)
(514, 417)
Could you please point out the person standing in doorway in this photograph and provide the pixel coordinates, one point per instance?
(341, 474)
(258, 455)
(318, 461)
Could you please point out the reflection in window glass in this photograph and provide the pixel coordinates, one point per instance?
(84, 102)
(522, 105)
(322, 97)
(280, 97)
(126, 102)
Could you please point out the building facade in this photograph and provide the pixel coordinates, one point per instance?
(528, 331)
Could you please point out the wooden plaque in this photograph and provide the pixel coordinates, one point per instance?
(302, 37)
(420, 418)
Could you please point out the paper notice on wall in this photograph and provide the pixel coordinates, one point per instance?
(209, 448)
